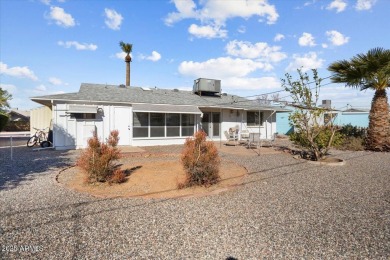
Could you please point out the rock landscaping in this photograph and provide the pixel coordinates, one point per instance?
(284, 208)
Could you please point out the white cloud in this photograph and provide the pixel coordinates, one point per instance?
(56, 81)
(207, 31)
(306, 40)
(154, 57)
(46, 2)
(306, 62)
(339, 5)
(363, 5)
(220, 11)
(60, 17)
(221, 68)
(337, 38)
(279, 37)
(78, 46)
(20, 72)
(259, 50)
(213, 14)
(324, 45)
(113, 19)
(185, 8)
(250, 83)
(241, 29)
(121, 55)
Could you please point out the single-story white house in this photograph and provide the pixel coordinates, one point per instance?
(152, 116)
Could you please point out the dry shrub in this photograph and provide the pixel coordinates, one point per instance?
(98, 159)
(352, 143)
(201, 161)
(118, 176)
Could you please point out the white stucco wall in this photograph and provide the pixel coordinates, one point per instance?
(71, 133)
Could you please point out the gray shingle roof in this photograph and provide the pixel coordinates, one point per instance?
(136, 95)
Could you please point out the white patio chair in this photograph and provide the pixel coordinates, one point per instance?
(232, 136)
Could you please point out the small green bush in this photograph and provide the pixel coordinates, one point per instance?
(321, 140)
(98, 159)
(201, 161)
(350, 130)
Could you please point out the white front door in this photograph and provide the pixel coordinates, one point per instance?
(122, 123)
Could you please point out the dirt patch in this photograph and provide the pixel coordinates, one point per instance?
(153, 179)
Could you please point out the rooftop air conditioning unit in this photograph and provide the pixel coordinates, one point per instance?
(207, 85)
(327, 103)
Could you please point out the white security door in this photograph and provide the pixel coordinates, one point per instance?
(122, 123)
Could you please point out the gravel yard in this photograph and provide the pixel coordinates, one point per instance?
(286, 208)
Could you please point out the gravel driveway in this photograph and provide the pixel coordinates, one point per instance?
(286, 208)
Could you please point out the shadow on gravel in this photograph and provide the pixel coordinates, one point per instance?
(28, 163)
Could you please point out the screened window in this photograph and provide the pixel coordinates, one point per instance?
(140, 124)
(187, 124)
(173, 124)
(254, 118)
(157, 125)
(162, 125)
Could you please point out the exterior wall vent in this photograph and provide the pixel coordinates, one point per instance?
(203, 85)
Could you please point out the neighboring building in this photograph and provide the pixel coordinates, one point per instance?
(19, 115)
(353, 116)
(19, 120)
(152, 116)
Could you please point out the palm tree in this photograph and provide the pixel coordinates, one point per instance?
(127, 48)
(369, 71)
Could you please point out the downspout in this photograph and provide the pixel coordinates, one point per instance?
(220, 127)
(55, 117)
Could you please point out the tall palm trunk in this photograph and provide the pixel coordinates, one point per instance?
(379, 125)
(128, 60)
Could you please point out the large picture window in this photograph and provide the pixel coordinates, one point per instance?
(163, 125)
(254, 118)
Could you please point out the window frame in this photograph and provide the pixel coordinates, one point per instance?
(260, 118)
(183, 126)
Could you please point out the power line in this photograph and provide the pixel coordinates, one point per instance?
(246, 100)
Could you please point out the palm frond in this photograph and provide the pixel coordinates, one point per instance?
(126, 47)
(370, 70)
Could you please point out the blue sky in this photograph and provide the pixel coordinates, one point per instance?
(52, 46)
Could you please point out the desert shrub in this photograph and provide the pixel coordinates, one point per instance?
(321, 140)
(200, 160)
(98, 159)
(350, 130)
(118, 176)
(3, 121)
(352, 143)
